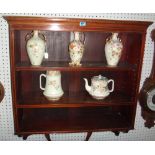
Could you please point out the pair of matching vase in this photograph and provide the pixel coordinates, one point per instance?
(36, 48)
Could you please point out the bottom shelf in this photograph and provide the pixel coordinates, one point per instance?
(74, 119)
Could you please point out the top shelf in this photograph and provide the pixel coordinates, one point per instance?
(64, 66)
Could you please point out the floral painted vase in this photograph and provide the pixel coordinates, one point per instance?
(53, 90)
(35, 47)
(76, 49)
(113, 50)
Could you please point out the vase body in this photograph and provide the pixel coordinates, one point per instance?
(113, 50)
(76, 49)
(53, 90)
(36, 48)
(99, 87)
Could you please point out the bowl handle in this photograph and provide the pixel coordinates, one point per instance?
(112, 89)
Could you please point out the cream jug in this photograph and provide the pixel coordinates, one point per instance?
(53, 90)
(99, 87)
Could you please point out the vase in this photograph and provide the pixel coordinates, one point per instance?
(76, 49)
(35, 46)
(113, 50)
(53, 89)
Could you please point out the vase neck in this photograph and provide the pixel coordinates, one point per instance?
(77, 36)
(114, 36)
(35, 33)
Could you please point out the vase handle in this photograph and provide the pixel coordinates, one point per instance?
(28, 36)
(42, 75)
(42, 36)
(112, 89)
(82, 38)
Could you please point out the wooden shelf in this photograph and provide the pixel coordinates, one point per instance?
(73, 120)
(64, 66)
(81, 99)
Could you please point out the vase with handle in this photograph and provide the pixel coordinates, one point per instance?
(76, 49)
(36, 45)
(113, 50)
(53, 90)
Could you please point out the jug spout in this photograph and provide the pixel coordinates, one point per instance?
(87, 87)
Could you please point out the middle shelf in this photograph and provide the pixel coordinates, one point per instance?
(29, 94)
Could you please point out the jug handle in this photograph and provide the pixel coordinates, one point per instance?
(42, 75)
(112, 89)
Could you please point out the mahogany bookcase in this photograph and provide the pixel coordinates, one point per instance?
(76, 111)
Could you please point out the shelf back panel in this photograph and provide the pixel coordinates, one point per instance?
(75, 119)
